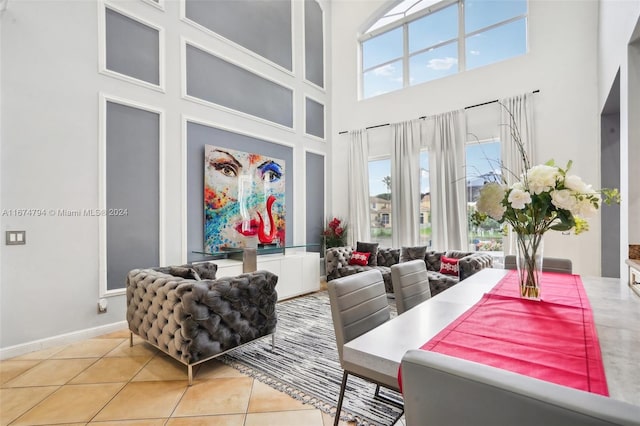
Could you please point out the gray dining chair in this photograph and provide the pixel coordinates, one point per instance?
(448, 390)
(410, 284)
(358, 305)
(549, 264)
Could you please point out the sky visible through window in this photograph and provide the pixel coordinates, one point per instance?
(433, 44)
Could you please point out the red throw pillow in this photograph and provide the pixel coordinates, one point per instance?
(359, 258)
(448, 266)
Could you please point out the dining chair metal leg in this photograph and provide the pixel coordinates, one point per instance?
(386, 399)
(342, 389)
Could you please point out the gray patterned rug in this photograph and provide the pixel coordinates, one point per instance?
(305, 363)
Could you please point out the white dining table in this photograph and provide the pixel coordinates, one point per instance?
(616, 314)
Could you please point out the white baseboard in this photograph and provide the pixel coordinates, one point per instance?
(62, 339)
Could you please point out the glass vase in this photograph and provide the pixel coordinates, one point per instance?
(529, 249)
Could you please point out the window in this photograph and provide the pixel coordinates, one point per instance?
(423, 40)
(483, 164)
(380, 200)
(425, 200)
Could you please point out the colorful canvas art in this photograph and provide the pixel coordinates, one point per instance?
(243, 199)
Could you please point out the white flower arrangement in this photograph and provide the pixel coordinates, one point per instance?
(545, 197)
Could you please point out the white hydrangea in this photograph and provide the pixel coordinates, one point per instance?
(490, 200)
(519, 199)
(518, 185)
(585, 208)
(575, 183)
(563, 199)
(542, 178)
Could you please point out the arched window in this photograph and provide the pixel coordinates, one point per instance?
(422, 40)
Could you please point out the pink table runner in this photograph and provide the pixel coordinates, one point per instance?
(553, 340)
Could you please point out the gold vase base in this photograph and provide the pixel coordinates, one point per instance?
(530, 292)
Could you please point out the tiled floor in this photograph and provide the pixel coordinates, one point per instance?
(105, 381)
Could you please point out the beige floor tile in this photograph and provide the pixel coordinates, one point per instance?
(51, 372)
(285, 418)
(217, 396)
(264, 398)
(144, 400)
(162, 367)
(10, 369)
(138, 349)
(122, 334)
(91, 348)
(109, 370)
(215, 369)
(15, 402)
(70, 404)
(41, 354)
(142, 422)
(220, 420)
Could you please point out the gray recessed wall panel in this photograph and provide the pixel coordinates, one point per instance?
(314, 118)
(132, 48)
(199, 135)
(213, 79)
(313, 43)
(315, 198)
(263, 27)
(133, 173)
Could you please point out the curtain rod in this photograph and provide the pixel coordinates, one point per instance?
(424, 116)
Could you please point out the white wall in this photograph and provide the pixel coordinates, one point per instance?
(561, 63)
(50, 88)
(618, 25)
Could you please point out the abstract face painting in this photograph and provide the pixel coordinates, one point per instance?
(243, 199)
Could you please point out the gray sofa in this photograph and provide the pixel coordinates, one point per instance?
(337, 265)
(195, 320)
(444, 390)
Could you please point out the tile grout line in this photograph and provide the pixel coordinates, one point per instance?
(125, 383)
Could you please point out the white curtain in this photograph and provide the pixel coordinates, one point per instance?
(445, 136)
(405, 183)
(358, 187)
(516, 120)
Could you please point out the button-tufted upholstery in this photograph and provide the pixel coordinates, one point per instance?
(337, 265)
(195, 320)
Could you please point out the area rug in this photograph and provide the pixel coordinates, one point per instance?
(305, 363)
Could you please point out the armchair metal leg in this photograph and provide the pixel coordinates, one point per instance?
(273, 341)
(342, 389)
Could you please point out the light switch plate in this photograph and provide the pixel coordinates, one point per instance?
(14, 238)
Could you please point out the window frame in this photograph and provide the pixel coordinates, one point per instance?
(461, 39)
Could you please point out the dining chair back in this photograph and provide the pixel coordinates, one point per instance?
(448, 390)
(410, 284)
(549, 264)
(358, 305)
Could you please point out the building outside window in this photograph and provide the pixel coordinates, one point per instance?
(380, 200)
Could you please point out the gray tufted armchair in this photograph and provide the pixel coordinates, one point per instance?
(194, 321)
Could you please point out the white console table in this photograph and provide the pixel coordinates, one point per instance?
(298, 271)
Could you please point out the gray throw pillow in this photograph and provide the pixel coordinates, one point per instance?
(412, 253)
(369, 248)
(184, 272)
(207, 271)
